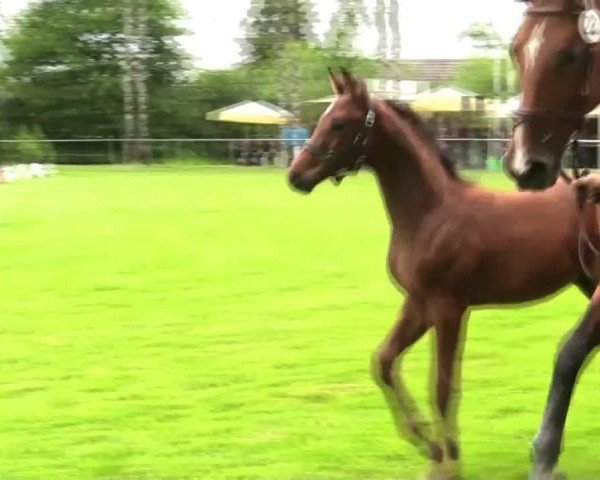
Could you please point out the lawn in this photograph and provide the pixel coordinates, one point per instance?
(207, 323)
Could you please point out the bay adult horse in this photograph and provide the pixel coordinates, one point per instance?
(557, 50)
(453, 244)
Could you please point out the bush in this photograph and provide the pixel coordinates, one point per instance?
(30, 147)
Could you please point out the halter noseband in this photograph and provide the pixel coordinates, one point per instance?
(357, 149)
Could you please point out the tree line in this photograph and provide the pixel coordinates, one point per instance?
(62, 68)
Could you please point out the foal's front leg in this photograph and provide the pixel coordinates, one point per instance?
(409, 328)
(448, 317)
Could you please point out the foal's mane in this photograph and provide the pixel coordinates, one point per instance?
(408, 114)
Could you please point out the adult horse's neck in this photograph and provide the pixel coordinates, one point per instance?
(595, 81)
(411, 175)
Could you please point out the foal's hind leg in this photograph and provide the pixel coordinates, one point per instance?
(409, 328)
(447, 315)
(572, 356)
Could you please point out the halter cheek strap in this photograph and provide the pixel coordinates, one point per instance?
(338, 159)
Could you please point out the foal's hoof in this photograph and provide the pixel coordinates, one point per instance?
(453, 469)
(441, 471)
(434, 474)
(436, 453)
(452, 450)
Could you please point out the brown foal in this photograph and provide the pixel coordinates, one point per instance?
(453, 244)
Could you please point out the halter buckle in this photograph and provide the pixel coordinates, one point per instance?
(370, 119)
(360, 161)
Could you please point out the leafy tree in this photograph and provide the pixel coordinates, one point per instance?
(217, 89)
(346, 21)
(31, 147)
(483, 36)
(272, 23)
(64, 71)
(484, 75)
(477, 75)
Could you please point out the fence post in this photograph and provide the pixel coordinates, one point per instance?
(111, 152)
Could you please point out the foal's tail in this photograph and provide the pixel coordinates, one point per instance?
(566, 177)
(589, 237)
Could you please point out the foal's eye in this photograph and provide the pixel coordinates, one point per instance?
(338, 125)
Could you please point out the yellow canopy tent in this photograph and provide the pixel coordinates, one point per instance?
(254, 112)
(499, 109)
(326, 100)
(595, 112)
(445, 99)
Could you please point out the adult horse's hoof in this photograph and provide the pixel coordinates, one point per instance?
(543, 474)
(544, 455)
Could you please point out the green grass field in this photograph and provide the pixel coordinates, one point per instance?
(208, 323)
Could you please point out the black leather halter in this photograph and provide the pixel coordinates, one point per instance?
(357, 150)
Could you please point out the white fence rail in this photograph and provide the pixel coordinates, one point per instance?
(468, 152)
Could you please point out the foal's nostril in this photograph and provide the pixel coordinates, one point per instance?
(535, 176)
(292, 176)
(299, 182)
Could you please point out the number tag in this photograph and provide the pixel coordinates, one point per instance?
(589, 25)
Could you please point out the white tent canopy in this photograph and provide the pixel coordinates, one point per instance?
(254, 112)
(497, 109)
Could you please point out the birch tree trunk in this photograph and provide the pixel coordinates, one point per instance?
(129, 121)
(294, 79)
(140, 80)
(396, 46)
(136, 147)
(382, 38)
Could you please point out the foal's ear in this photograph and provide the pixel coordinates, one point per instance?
(360, 89)
(349, 79)
(336, 85)
(356, 86)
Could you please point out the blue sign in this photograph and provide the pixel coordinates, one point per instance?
(295, 136)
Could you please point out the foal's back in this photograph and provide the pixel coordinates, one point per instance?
(507, 247)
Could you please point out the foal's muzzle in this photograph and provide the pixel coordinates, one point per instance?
(300, 182)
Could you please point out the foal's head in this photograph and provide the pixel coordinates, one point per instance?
(338, 144)
(555, 60)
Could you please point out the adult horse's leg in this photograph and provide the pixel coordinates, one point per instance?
(448, 317)
(573, 354)
(409, 328)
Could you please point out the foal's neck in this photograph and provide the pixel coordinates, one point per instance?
(411, 176)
